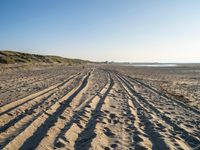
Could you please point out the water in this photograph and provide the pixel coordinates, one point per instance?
(153, 65)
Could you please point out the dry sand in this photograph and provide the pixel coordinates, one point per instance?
(95, 107)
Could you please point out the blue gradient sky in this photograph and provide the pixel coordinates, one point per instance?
(119, 30)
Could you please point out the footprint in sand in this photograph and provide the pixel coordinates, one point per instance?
(106, 148)
(108, 132)
(114, 146)
(112, 118)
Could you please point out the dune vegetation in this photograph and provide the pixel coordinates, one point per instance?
(12, 57)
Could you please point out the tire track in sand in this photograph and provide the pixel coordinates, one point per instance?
(185, 118)
(24, 108)
(49, 116)
(140, 140)
(57, 132)
(161, 124)
(86, 132)
(165, 96)
(13, 94)
(58, 128)
(188, 137)
(30, 112)
(74, 126)
(41, 125)
(145, 120)
(114, 127)
(8, 107)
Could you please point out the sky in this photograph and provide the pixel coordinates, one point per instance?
(103, 30)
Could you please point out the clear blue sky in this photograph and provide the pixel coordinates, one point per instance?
(119, 30)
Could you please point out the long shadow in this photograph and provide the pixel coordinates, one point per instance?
(6, 90)
(85, 138)
(35, 81)
(27, 111)
(21, 116)
(154, 136)
(72, 119)
(69, 124)
(33, 141)
(165, 96)
(191, 140)
(35, 97)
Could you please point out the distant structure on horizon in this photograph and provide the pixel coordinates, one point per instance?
(109, 62)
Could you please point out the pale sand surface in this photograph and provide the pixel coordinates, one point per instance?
(101, 107)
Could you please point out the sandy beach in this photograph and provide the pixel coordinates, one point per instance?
(99, 107)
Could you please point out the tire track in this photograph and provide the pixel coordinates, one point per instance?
(34, 102)
(114, 129)
(40, 127)
(48, 141)
(23, 89)
(33, 81)
(85, 137)
(168, 119)
(19, 123)
(42, 75)
(27, 81)
(67, 135)
(140, 139)
(57, 132)
(145, 120)
(184, 117)
(13, 105)
(161, 94)
(100, 109)
(189, 139)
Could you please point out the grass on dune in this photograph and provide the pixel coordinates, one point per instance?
(12, 57)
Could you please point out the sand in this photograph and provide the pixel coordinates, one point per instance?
(93, 107)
